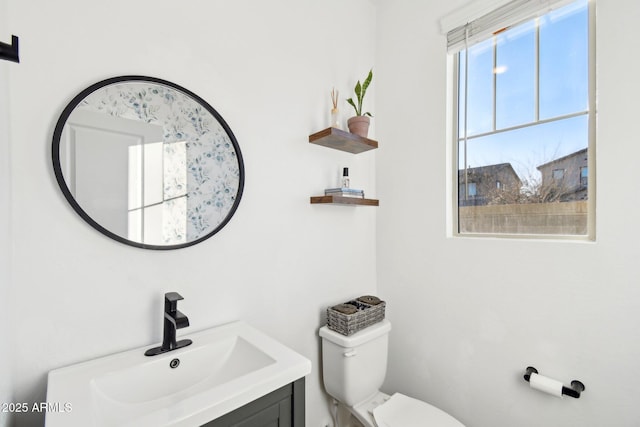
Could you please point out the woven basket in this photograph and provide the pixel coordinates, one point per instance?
(348, 324)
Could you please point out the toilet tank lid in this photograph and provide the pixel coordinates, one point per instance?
(360, 337)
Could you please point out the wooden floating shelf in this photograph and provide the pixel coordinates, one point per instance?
(341, 200)
(343, 141)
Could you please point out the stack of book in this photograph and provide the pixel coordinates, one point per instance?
(344, 192)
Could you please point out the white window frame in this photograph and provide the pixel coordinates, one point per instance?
(474, 11)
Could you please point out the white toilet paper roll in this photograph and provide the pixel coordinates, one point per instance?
(545, 384)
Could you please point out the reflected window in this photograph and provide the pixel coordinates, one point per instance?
(157, 184)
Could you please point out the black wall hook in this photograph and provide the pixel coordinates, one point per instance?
(10, 51)
(574, 391)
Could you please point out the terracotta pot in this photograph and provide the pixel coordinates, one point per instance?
(359, 125)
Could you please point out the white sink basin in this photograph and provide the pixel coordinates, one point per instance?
(225, 368)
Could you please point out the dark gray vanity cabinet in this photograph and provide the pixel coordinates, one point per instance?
(283, 407)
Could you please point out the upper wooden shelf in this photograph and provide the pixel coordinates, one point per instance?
(343, 141)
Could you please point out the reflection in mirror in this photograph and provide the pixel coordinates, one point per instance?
(148, 163)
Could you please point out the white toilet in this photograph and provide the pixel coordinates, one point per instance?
(354, 368)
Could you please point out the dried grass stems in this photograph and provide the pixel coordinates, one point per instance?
(334, 98)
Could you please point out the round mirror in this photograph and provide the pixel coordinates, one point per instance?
(147, 162)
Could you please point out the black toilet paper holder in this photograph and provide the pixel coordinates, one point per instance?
(574, 391)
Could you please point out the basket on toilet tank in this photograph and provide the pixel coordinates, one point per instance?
(352, 316)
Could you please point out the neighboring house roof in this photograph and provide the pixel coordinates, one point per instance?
(491, 171)
(563, 158)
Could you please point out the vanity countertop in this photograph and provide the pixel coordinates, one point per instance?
(225, 368)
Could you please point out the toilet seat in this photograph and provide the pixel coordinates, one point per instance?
(405, 411)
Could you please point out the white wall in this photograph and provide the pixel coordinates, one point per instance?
(469, 315)
(5, 228)
(268, 68)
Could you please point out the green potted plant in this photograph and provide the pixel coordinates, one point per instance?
(359, 124)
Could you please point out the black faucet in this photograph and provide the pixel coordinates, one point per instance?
(173, 319)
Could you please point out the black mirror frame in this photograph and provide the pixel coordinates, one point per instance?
(55, 155)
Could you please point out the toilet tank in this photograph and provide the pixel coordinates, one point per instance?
(354, 367)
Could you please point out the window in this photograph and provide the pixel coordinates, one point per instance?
(473, 190)
(558, 174)
(524, 111)
(468, 190)
(584, 175)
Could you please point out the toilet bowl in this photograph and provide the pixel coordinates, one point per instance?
(354, 368)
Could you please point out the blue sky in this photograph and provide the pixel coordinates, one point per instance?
(563, 89)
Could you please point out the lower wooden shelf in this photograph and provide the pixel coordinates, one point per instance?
(341, 200)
